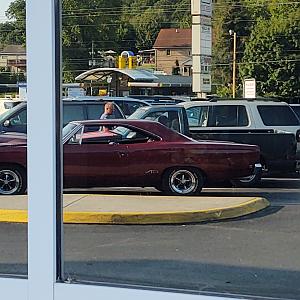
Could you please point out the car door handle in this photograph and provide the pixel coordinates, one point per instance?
(122, 154)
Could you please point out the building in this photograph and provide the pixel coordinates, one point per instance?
(124, 82)
(13, 58)
(173, 49)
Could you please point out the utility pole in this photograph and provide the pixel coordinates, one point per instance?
(231, 32)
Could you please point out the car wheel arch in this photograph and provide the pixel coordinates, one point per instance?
(20, 171)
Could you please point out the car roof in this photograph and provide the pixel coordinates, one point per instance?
(231, 102)
(104, 99)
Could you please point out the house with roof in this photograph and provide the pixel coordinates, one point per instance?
(13, 58)
(173, 51)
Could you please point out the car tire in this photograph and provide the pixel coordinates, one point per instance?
(249, 181)
(12, 180)
(182, 181)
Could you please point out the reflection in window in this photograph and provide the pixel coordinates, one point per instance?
(197, 116)
(228, 116)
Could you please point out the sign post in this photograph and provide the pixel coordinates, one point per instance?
(249, 88)
(201, 46)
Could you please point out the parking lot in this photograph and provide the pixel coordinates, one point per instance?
(251, 255)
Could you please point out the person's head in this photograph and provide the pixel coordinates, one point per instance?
(109, 108)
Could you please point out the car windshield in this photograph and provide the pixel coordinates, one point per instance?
(123, 131)
(8, 113)
(68, 128)
(138, 114)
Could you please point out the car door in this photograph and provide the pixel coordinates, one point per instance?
(147, 157)
(96, 163)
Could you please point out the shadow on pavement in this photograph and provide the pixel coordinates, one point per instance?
(193, 277)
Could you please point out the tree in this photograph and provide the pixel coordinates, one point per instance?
(272, 51)
(228, 16)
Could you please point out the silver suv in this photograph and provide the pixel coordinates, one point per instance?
(243, 115)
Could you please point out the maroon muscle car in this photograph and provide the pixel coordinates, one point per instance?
(135, 153)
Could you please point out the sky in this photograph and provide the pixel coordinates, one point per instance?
(4, 4)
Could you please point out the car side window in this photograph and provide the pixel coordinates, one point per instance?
(94, 111)
(129, 107)
(19, 119)
(72, 113)
(228, 116)
(169, 119)
(277, 115)
(197, 116)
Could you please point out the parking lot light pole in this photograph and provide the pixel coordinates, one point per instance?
(231, 32)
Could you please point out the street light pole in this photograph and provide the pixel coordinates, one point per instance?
(231, 32)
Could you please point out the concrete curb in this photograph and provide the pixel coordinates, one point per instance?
(172, 217)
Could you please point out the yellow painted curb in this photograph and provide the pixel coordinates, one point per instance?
(172, 217)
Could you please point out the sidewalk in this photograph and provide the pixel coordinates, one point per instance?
(138, 209)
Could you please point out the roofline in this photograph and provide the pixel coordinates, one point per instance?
(177, 47)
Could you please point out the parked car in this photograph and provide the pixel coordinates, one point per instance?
(161, 99)
(278, 148)
(15, 119)
(243, 115)
(132, 153)
(6, 104)
(128, 105)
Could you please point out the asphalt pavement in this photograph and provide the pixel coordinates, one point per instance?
(249, 256)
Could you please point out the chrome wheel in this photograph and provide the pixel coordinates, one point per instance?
(183, 182)
(10, 182)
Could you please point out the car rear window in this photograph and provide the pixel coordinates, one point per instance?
(94, 111)
(277, 115)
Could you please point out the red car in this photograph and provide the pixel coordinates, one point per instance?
(132, 153)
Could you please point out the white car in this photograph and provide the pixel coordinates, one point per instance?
(242, 115)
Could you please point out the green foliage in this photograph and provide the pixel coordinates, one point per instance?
(268, 40)
(272, 52)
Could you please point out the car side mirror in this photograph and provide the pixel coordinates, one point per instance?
(6, 123)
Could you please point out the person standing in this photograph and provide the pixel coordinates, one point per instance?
(108, 111)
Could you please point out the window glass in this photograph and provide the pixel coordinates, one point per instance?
(228, 116)
(169, 119)
(129, 107)
(94, 111)
(296, 109)
(73, 113)
(121, 173)
(19, 119)
(277, 115)
(197, 116)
